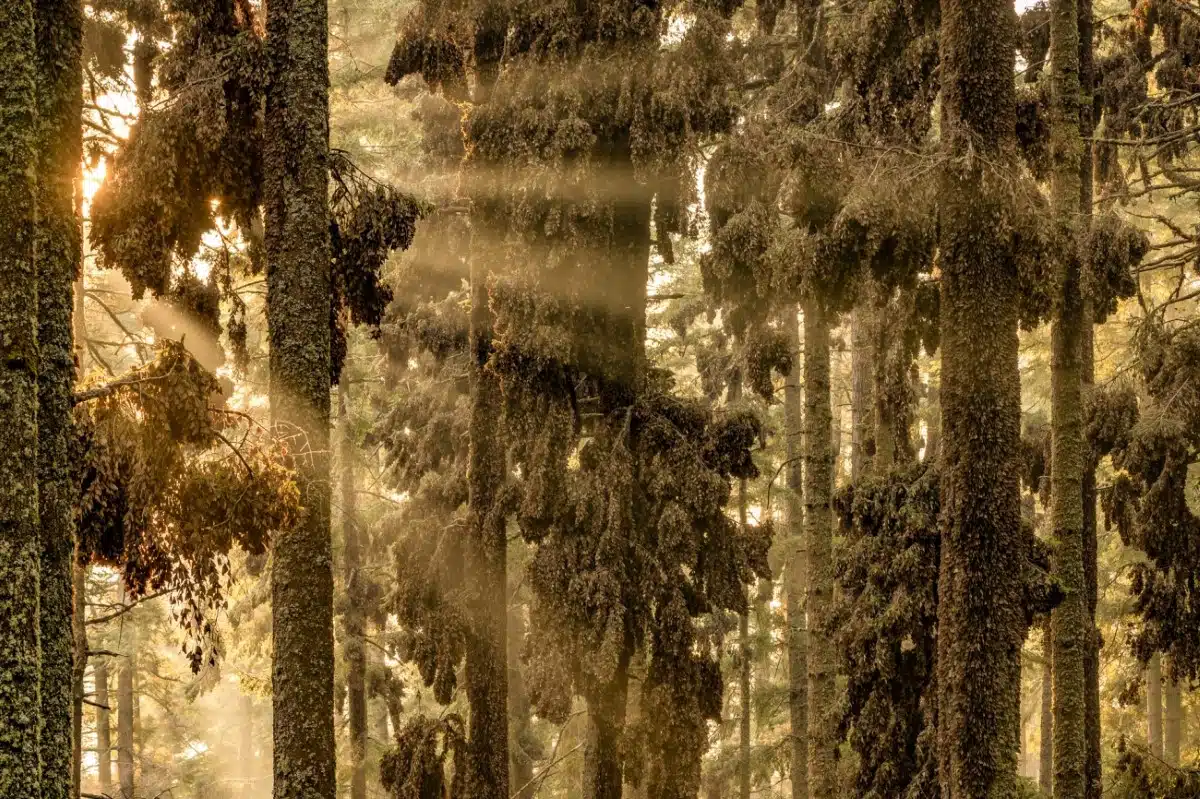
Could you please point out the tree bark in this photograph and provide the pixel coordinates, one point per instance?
(797, 640)
(59, 26)
(125, 713)
(744, 669)
(79, 665)
(353, 621)
(1154, 707)
(298, 314)
(103, 727)
(486, 556)
(1046, 753)
(20, 545)
(862, 376)
(602, 746)
(519, 711)
(818, 529)
(981, 624)
(1172, 721)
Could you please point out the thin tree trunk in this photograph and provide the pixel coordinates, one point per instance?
(1154, 707)
(60, 97)
(797, 640)
(354, 621)
(818, 528)
(246, 755)
(103, 727)
(519, 716)
(1046, 754)
(79, 664)
(1172, 720)
(981, 624)
(486, 556)
(125, 713)
(861, 377)
(744, 673)
(20, 547)
(298, 313)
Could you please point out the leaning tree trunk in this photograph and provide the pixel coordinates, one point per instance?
(354, 621)
(60, 147)
(797, 634)
(298, 315)
(20, 549)
(1172, 720)
(486, 669)
(1070, 630)
(1154, 706)
(981, 625)
(818, 529)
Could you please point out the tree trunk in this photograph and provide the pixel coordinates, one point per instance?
(79, 663)
(1070, 630)
(797, 640)
(486, 557)
(1154, 707)
(981, 624)
(519, 712)
(1172, 720)
(20, 548)
(298, 313)
(818, 528)
(744, 671)
(103, 727)
(125, 762)
(602, 746)
(246, 754)
(1046, 755)
(353, 621)
(59, 26)
(862, 375)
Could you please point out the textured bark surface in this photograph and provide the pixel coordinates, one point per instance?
(797, 640)
(1154, 707)
(1070, 628)
(20, 550)
(354, 623)
(486, 553)
(59, 26)
(981, 624)
(298, 312)
(818, 530)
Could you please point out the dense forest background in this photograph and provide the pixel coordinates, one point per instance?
(531, 398)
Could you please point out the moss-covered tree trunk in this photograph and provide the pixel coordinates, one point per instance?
(1070, 629)
(486, 555)
(1154, 707)
(60, 149)
(981, 624)
(1172, 720)
(298, 314)
(20, 549)
(797, 632)
(818, 533)
(354, 621)
(1046, 750)
(103, 727)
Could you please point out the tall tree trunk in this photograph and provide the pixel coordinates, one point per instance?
(862, 376)
(20, 547)
(298, 315)
(1093, 787)
(1172, 720)
(103, 727)
(818, 528)
(246, 754)
(797, 634)
(60, 148)
(125, 713)
(981, 625)
(744, 669)
(519, 712)
(354, 621)
(80, 646)
(602, 764)
(1154, 707)
(1070, 630)
(486, 556)
(1046, 754)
